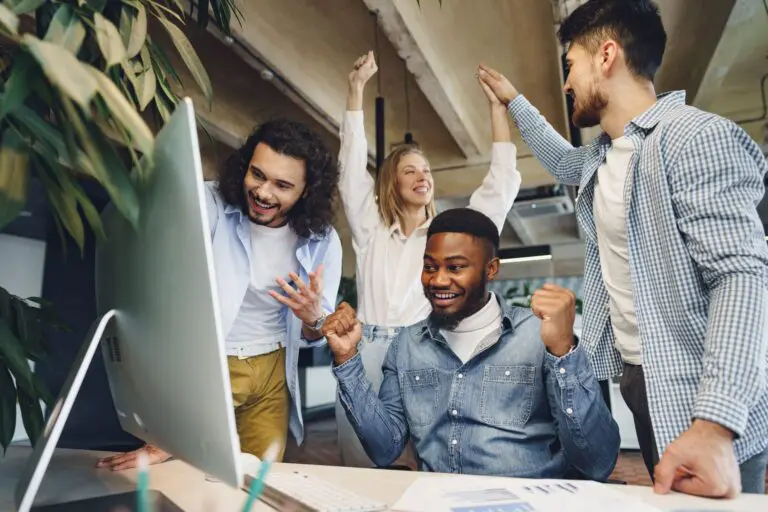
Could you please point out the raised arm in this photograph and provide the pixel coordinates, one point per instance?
(555, 153)
(587, 432)
(356, 185)
(499, 189)
(379, 421)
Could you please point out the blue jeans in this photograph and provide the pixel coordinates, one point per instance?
(372, 348)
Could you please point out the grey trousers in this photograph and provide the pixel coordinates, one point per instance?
(633, 390)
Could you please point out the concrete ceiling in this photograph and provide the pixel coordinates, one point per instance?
(717, 56)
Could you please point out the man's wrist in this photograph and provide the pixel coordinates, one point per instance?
(562, 347)
(712, 428)
(340, 359)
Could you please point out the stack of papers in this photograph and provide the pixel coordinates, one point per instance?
(462, 494)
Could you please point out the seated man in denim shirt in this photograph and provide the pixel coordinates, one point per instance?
(479, 387)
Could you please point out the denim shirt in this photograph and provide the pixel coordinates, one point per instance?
(232, 254)
(512, 410)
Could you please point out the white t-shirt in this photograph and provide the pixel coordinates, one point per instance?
(611, 224)
(274, 255)
(474, 329)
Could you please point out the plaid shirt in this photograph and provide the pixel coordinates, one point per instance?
(697, 259)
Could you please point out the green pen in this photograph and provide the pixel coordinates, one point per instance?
(142, 483)
(257, 484)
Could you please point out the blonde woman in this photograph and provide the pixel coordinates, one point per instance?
(388, 218)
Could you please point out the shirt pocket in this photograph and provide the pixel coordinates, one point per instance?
(420, 395)
(507, 395)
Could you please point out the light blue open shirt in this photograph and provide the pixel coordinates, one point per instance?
(232, 255)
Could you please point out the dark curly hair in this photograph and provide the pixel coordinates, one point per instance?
(313, 213)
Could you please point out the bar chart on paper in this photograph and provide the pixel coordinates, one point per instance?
(483, 494)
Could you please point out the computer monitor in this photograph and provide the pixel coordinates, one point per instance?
(158, 322)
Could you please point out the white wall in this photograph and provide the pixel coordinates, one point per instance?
(21, 273)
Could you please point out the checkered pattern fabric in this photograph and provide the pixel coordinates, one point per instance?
(698, 262)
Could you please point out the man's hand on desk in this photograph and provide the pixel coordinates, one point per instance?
(130, 459)
(700, 462)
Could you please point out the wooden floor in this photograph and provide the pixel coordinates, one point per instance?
(321, 447)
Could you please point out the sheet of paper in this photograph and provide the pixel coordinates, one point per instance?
(478, 494)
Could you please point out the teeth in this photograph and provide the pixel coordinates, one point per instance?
(421, 189)
(262, 205)
(445, 295)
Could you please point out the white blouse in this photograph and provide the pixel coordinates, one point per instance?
(388, 264)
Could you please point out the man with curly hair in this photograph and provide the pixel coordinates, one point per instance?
(278, 267)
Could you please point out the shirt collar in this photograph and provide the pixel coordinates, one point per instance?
(664, 103)
(395, 228)
(648, 120)
(507, 323)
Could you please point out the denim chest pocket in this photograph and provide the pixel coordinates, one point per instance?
(420, 395)
(507, 395)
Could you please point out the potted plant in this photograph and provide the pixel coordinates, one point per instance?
(77, 80)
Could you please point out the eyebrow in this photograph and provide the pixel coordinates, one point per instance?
(449, 258)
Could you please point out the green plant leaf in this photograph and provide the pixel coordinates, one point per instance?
(110, 43)
(63, 70)
(31, 415)
(133, 28)
(147, 85)
(202, 13)
(20, 84)
(64, 206)
(13, 354)
(27, 6)
(90, 212)
(190, 58)
(66, 30)
(14, 178)
(7, 406)
(162, 107)
(125, 113)
(9, 20)
(96, 5)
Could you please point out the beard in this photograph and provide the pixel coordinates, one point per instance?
(586, 111)
(474, 302)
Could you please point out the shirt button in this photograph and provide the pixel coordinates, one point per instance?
(454, 412)
(506, 373)
(454, 442)
(417, 377)
(569, 411)
(461, 375)
(562, 370)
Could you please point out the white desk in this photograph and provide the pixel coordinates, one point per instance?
(71, 475)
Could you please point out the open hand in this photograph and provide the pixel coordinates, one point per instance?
(701, 462)
(306, 302)
(129, 460)
(343, 332)
(497, 83)
(364, 68)
(556, 307)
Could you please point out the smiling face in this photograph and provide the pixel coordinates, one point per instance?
(273, 184)
(457, 268)
(584, 86)
(414, 180)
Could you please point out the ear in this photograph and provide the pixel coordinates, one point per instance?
(492, 268)
(608, 54)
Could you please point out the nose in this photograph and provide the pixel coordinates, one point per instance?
(567, 89)
(440, 279)
(264, 191)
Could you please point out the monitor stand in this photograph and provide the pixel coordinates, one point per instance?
(34, 471)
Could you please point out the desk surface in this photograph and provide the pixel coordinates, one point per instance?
(72, 475)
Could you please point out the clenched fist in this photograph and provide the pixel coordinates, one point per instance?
(343, 332)
(363, 69)
(556, 307)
